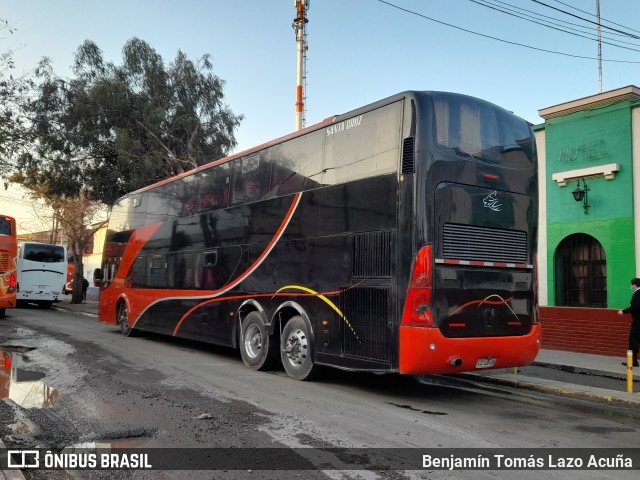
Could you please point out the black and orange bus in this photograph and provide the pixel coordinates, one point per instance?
(398, 237)
(8, 258)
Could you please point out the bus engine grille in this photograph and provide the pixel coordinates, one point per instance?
(372, 255)
(469, 242)
(365, 331)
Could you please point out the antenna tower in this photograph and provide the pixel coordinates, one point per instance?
(299, 27)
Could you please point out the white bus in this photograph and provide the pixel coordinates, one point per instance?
(42, 273)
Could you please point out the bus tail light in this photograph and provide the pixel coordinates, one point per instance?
(12, 283)
(417, 307)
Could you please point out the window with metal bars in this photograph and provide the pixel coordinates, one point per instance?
(581, 272)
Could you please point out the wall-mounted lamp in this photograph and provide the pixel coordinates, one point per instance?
(581, 195)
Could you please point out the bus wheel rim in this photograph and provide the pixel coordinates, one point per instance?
(124, 318)
(253, 341)
(297, 347)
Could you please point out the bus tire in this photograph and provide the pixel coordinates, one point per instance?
(297, 350)
(258, 349)
(123, 320)
(2, 312)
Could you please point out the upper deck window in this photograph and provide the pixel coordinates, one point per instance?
(472, 128)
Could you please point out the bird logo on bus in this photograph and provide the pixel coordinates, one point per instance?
(491, 202)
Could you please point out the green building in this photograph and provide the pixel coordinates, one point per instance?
(589, 230)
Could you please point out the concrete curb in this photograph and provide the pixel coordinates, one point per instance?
(591, 394)
(588, 371)
(68, 308)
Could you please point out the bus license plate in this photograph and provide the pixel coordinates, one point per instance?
(485, 362)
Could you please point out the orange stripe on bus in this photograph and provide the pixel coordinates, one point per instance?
(259, 260)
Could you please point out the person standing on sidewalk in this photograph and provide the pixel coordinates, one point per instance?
(85, 286)
(634, 310)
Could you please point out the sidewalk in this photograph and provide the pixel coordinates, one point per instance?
(553, 359)
(597, 365)
(87, 307)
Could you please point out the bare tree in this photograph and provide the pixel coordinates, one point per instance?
(76, 218)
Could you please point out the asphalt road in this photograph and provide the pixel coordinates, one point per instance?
(90, 384)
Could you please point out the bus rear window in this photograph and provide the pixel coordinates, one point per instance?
(475, 129)
(5, 226)
(44, 253)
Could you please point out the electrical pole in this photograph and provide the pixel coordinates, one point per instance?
(299, 26)
(599, 46)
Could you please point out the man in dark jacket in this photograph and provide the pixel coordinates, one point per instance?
(85, 286)
(634, 310)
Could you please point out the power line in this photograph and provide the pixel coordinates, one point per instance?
(589, 13)
(585, 19)
(531, 16)
(553, 20)
(500, 39)
(563, 29)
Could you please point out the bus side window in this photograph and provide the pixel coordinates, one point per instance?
(97, 277)
(297, 163)
(214, 188)
(251, 178)
(371, 146)
(286, 180)
(139, 272)
(210, 272)
(156, 271)
(188, 195)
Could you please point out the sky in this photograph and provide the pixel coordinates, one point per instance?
(359, 51)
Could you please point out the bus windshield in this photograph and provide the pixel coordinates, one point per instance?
(476, 129)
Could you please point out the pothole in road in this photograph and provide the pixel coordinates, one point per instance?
(16, 348)
(24, 387)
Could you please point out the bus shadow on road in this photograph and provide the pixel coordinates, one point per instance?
(434, 387)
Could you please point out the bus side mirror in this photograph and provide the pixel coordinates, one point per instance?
(97, 277)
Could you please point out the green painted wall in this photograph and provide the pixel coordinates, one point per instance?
(587, 139)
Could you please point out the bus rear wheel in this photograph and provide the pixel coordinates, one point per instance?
(123, 320)
(258, 349)
(297, 349)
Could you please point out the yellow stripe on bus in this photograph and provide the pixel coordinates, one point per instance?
(325, 300)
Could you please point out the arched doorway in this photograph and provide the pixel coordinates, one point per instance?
(581, 272)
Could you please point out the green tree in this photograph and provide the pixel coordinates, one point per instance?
(14, 134)
(114, 128)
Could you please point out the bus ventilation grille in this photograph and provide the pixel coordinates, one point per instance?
(365, 332)
(4, 262)
(468, 242)
(408, 157)
(372, 255)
